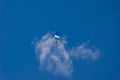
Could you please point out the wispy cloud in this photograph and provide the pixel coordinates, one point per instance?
(54, 57)
(84, 52)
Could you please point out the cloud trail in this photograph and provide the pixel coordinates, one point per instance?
(54, 57)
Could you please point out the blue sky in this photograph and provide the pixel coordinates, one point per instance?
(80, 20)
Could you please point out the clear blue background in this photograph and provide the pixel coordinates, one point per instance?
(97, 21)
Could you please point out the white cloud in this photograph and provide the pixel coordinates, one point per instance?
(84, 52)
(54, 57)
